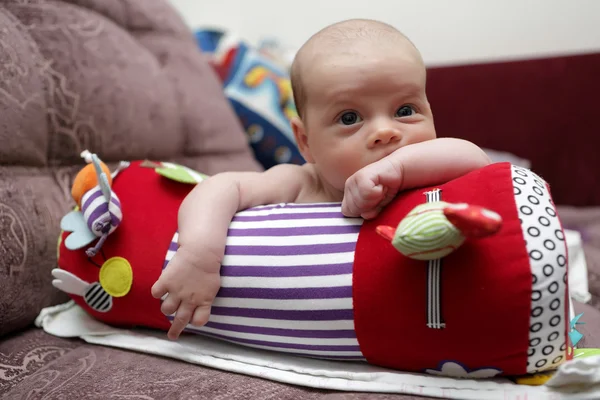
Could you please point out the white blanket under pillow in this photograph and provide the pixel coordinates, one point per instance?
(578, 379)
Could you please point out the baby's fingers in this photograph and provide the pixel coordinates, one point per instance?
(159, 289)
(371, 213)
(182, 318)
(201, 315)
(170, 305)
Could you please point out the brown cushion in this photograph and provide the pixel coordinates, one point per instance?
(124, 79)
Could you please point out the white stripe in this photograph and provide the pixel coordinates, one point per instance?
(287, 210)
(115, 210)
(284, 350)
(437, 304)
(287, 282)
(277, 304)
(282, 339)
(175, 238)
(429, 299)
(89, 193)
(283, 324)
(289, 261)
(436, 288)
(295, 205)
(291, 240)
(95, 204)
(296, 223)
(170, 254)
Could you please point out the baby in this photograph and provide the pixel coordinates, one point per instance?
(366, 130)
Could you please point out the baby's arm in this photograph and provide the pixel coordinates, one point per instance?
(421, 164)
(192, 278)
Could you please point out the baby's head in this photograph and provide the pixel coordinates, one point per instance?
(359, 88)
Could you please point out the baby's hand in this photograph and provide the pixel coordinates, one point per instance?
(371, 188)
(191, 282)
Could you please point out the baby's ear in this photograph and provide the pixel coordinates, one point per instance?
(301, 138)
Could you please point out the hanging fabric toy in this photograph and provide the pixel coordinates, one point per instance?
(98, 211)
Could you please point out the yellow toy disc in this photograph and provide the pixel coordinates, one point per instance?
(116, 276)
(536, 379)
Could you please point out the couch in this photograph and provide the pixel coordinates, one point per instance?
(125, 79)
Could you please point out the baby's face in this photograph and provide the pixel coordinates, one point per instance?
(362, 105)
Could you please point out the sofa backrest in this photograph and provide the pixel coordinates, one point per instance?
(124, 79)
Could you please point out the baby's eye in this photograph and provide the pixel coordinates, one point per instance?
(405, 111)
(350, 118)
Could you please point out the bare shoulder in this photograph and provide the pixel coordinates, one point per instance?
(298, 179)
(283, 183)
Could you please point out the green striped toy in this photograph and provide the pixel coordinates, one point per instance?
(434, 230)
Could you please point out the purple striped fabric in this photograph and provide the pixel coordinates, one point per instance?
(96, 215)
(103, 211)
(311, 230)
(284, 345)
(278, 217)
(295, 206)
(96, 192)
(293, 315)
(292, 353)
(298, 270)
(340, 333)
(287, 294)
(286, 250)
(273, 294)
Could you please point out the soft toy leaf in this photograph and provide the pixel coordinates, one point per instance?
(180, 173)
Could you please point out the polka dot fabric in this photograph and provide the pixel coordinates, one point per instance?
(546, 246)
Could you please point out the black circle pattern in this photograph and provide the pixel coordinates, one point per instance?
(541, 363)
(536, 255)
(526, 210)
(533, 200)
(557, 360)
(553, 336)
(546, 247)
(547, 350)
(544, 221)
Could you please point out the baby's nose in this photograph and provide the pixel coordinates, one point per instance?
(383, 136)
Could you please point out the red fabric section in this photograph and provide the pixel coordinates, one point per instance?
(485, 288)
(545, 110)
(150, 204)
